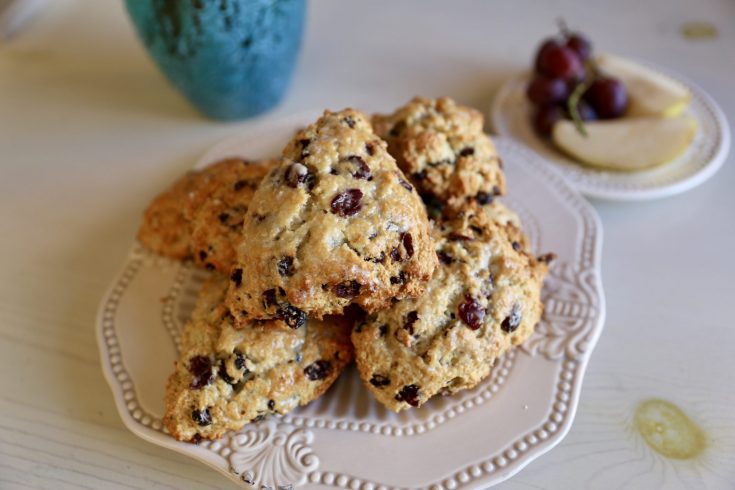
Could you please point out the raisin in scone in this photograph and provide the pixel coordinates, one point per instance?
(225, 378)
(335, 223)
(482, 300)
(200, 216)
(441, 146)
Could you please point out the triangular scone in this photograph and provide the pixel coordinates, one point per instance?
(483, 299)
(200, 216)
(336, 223)
(442, 148)
(226, 377)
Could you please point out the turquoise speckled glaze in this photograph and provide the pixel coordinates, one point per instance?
(232, 59)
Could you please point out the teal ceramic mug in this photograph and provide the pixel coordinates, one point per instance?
(232, 59)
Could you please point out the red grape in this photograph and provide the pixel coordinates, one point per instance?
(545, 117)
(608, 97)
(544, 90)
(580, 44)
(561, 62)
(549, 43)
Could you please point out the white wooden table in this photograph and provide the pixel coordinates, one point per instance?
(89, 132)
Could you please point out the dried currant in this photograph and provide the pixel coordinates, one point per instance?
(403, 183)
(296, 174)
(362, 170)
(511, 322)
(444, 257)
(285, 266)
(467, 152)
(484, 198)
(407, 241)
(318, 370)
(471, 312)
(378, 380)
(236, 277)
(347, 203)
(224, 374)
(516, 246)
(349, 121)
(269, 298)
(399, 279)
(271, 404)
(200, 368)
(201, 417)
(347, 289)
(409, 394)
(411, 318)
(293, 317)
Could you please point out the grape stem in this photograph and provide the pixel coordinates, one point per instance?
(573, 105)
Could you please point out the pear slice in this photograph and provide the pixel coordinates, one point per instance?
(627, 144)
(650, 93)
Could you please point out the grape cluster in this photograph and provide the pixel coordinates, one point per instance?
(564, 66)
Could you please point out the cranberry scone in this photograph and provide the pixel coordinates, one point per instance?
(482, 300)
(442, 148)
(335, 223)
(200, 216)
(225, 378)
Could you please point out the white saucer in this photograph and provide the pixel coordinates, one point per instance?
(510, 116)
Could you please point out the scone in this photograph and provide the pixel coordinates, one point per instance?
(441, 146)
(225, 378)
(482, 300)
(200, 216)
(335, 223)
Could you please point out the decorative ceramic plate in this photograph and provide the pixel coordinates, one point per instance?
(346, 439)
(510, 115)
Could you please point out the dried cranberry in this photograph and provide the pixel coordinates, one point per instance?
(403, 182)
(409, 394)
(285, 266)
(293, 317)
(318, 370)
(471, 312)
(236, 277)
(347, 203)
(379, 380)
(200, 368)
(201, 417)
(484, 198)
(444, 257)
(467, 151)
(407, 241)
(362, 170)
(347, 289)
(511, 322)
(296, 174)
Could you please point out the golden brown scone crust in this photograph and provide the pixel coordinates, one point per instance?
(200, 216)
(441, 146)
(225, 378)
(482, 300)
(336, 223)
